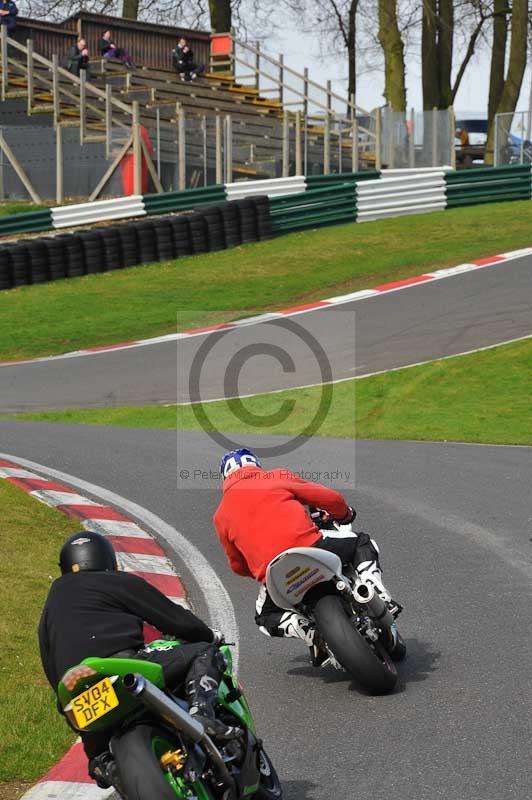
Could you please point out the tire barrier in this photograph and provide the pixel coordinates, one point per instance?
(69, 255)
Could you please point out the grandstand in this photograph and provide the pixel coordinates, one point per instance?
(249, 116)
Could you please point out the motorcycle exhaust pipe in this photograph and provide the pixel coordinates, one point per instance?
(160, 704)
(377, 609)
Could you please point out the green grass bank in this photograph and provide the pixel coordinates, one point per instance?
(33, 734)
(484, 397)
(161, 298)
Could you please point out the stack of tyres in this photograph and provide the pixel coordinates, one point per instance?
(215, 228)
(231, 223)
(56, 257)
(198, 232)
(38, 260)
(5, 269)
(128, 245)
(146, 241)
(248, 220)
(181, 236)
(18, 257)
(93, 249)
(164, 239)
(112, 253)
(74, 256)
(264, 222)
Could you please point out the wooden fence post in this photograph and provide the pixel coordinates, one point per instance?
(228, 149)
(182, 148)
(378, 138)
(286, 146)
(299, 164)
(5, 63)
(59, 173)
(82, 105)
(219, 150)
(137, 150)
(29, 68)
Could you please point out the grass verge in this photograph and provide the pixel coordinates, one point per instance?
(33, 734)
(17, 207)
(484, 397)
(206, 289)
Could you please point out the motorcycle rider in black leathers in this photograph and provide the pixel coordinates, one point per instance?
(94, 609)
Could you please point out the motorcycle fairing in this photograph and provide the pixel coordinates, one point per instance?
(293, 572)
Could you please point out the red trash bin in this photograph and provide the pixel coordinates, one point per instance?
(127, 169)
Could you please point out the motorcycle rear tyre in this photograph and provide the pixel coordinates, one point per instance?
(377, 674)
(141, 776)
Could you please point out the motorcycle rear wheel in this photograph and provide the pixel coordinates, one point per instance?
(137, 754)
(270, 787)
(372, 669)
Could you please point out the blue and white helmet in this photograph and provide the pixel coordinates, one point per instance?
(236, 459)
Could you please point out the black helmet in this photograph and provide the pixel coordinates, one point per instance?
(87, 552)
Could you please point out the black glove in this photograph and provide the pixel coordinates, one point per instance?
(321, 518)
(349, 517)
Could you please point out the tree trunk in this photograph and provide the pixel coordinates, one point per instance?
(393, 49)
(220, 11)
(130, 9)
(445, 52)
(498, 56)
(429, 54)
(516, 70)
(352, 51)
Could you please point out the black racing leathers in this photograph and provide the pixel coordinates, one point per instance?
(102, 613)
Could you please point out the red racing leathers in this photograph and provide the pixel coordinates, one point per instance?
(262, 513)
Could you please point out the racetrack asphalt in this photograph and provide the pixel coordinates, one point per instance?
(453, 523)
(423, 322)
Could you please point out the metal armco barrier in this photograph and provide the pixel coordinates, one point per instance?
(321, 181)
(398, 196)
(314, 208)
(99, 211)
(274, 187)
(184, 200)
(26, 222)
(302, 202)
(488, 185)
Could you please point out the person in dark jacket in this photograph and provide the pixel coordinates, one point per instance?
(94, 609)
(109, 50)
(183, 59)
(8, 14)
(78, 58)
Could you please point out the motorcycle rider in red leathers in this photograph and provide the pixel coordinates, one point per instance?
(262, 512)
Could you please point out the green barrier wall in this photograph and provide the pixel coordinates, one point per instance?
(321, 181)
(488, 185)
(330, 205)
(185, 200)
(26, 222)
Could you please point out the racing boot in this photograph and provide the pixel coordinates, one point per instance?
(103, 770)
(202, 695)
(294, 626)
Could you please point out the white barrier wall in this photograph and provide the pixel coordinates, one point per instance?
(99, 211)
(396, 195)
(273, 187)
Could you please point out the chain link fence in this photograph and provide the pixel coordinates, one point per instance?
(417, 139)
(512, 138)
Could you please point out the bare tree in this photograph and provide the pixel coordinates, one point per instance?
(511, 88)
(393, 49)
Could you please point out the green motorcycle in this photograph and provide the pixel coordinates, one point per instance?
(160, 750)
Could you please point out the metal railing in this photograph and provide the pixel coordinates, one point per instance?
(513, 138)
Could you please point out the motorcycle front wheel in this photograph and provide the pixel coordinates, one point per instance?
(270, 786)
(372, 669)
(137, 754)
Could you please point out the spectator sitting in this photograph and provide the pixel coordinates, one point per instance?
(78, 58)
(109, 50)
(183, 59)
(8, 14)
